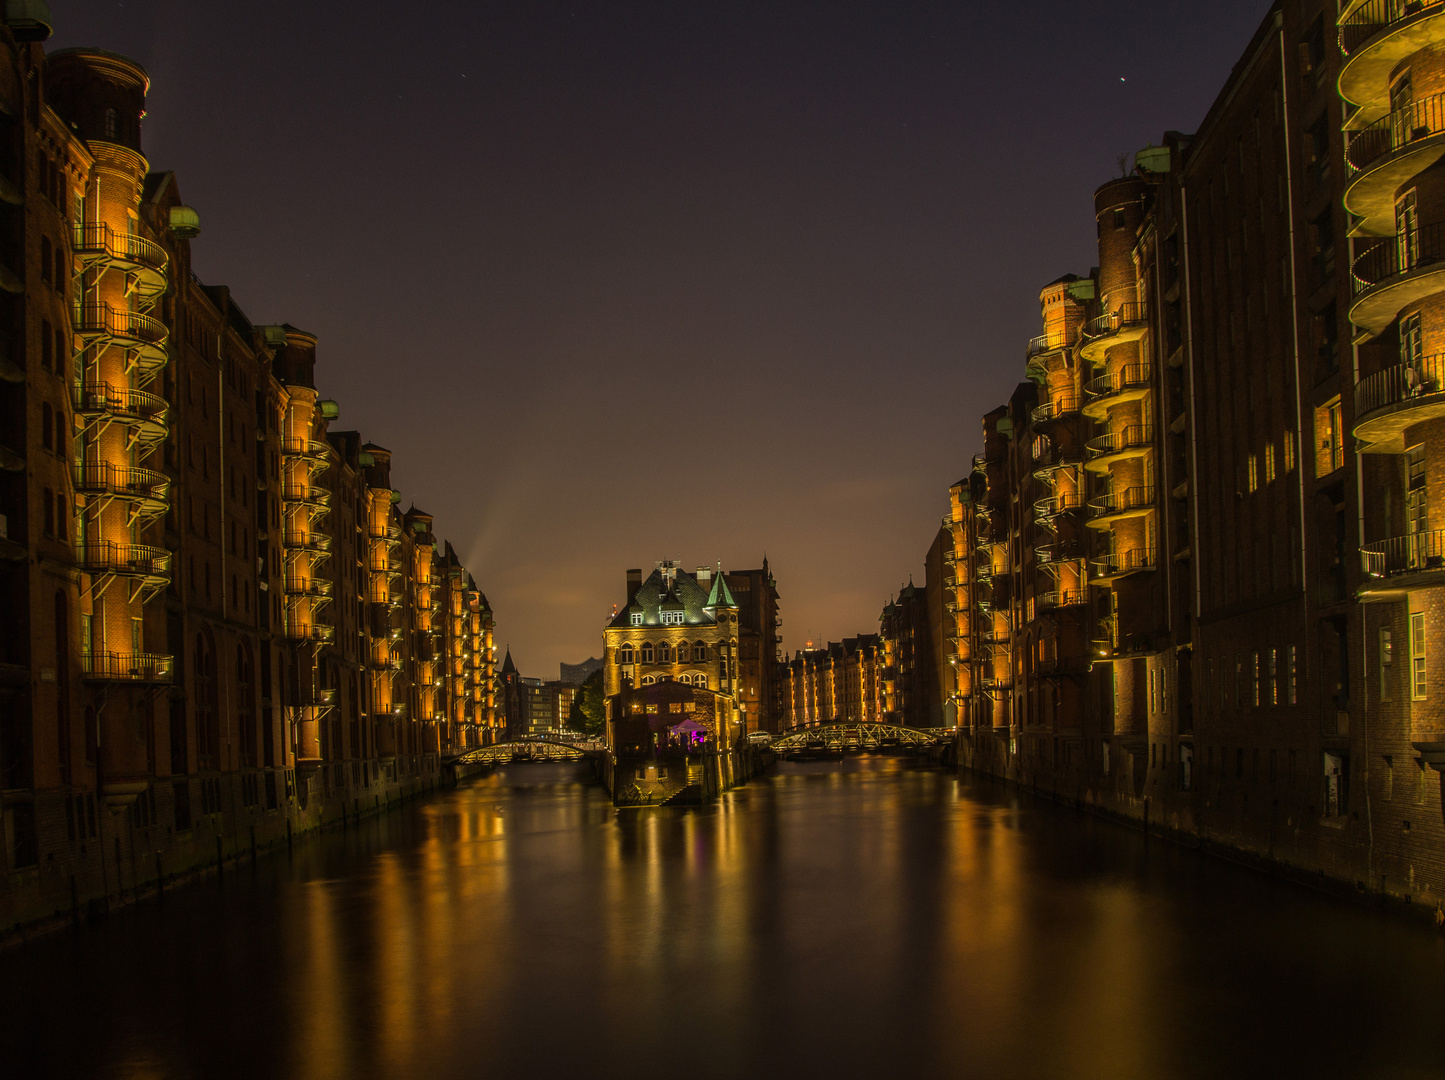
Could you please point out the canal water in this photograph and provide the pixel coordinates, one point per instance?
(871, 917)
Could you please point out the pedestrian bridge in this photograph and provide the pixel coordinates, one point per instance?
(844, 738)
(535, 748)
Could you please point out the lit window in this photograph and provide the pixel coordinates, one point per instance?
(1274, 676)
(1330, 437)
(672, 618)
(1254, 680)
(1417, 655)
(637, 618)
(1288, 443)
(1269, 462)
(1290, 659)
(1253, 479)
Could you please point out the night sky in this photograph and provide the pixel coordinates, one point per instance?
(623, 281)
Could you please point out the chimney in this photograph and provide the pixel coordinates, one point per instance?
(634, 582)
(704, 576)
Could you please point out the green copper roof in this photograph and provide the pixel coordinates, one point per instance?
(720, 596)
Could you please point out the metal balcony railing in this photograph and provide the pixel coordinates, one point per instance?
(1054, 409)
(1130, 377)
(1044, 343)
(297, 586)
(1123, 562)
(303, 448)
(1394, 131)
(98, 238)
(126, 667)
(94, 319)
(1412, 554)
(1410, 250)
(1135, 435)
(1060, 598)
(101, 477)
(127, 560)
(1369, 19)
(1111, 322)
(103, 399)
(1062, 503)
(1117, 502)
(1400, 383)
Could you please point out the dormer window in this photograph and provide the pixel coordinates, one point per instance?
(637, 618)
(672, 618)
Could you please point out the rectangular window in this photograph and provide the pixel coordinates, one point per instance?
(1288, 443)
(1254, 680)
(1417, 656)
(1274, 676)
(1269, 462)
(1252, 480)
(1291, 662)
(1330, 437)
(1387, 663)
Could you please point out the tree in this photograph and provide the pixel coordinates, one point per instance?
(589, 710)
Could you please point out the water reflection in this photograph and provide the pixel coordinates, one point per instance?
(869, 917)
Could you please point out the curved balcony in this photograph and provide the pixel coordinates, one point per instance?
(1396, 272)
(96, 243)
(316, 587)
(312, 451)
(147, 415)
(1129, 383)
(1051, 554)
(1041, 347)
(1052, 506)
(996, 685)
(1394, 566)
(147, 568)
(1375, 37)
(312, 496)
(319, 633)
(1128, 323)
(315, 541)
(1054, 460)
(145, 490)
(1384, 155)
(1132, 441)
(1396, 398)
(1062, 598)
(1121, 564)
(1118, 505)
(1055, 409)
(140, 336)
(126, 667)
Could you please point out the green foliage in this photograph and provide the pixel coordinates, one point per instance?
(589, 710)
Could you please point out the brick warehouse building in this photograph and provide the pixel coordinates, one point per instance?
(229, 629)
(1199, 559)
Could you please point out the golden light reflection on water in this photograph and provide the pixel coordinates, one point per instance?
(863, 918)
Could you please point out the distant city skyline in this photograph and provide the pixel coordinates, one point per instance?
(695, 284)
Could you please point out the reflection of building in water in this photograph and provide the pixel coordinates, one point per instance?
(662, 735)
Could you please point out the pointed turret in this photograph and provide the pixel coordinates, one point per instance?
(721, 596)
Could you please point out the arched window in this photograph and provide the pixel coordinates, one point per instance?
(699, 651)
(648, 680)
(646, 652)
(685, 678)
(246, 704)
(700, 681)
(664, 653)
(625, 656)
(683, 652)
(208, 726)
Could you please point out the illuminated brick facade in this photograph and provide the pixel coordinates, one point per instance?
(220, 627)
(1206, 531)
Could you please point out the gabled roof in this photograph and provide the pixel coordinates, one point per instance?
(654, 596)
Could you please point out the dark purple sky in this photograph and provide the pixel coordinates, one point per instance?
(624, 281)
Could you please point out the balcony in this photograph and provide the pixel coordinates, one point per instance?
(1393, 567)
(140, 337)
(1375, 37)
(1398, 397)
(1062, 598)
(143, 570)
(1052, 506)
(1128, 323)
(1129, 383)
(1396, 272)
(1121, 564)
(1055, 409)
(1118, 505)
(1132, 441)
(145, 415)
(126, 667)
(97, 244)
(1040, 348)
(312, 496)
(314, 541)
(145, 490)
(1384, 155)
(313, 587)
